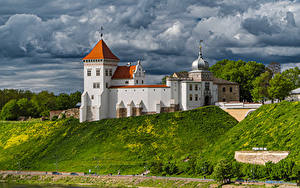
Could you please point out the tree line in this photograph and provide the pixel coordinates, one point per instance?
(257, 82)
(225, 170)
(15, 103)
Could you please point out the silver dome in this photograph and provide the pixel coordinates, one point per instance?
(200, 63)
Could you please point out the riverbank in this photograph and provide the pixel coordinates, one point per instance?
(104, 181)
(119, 181)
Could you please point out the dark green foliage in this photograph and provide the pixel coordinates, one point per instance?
(8, 94)
(280, 87)
(223, 171)
(293, 75)
(10, 111)
(63, 101)
(260, 87)
(239, 71)
(40, 104)
(26, 108)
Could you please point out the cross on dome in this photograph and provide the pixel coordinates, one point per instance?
(200, 64)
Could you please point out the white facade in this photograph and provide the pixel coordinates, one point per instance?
(112, 91)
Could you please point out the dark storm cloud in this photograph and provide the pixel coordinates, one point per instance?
(42, 42)
(260, 25)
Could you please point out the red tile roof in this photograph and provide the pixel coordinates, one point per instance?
(140, 86)
(101, 51)
(124, 72)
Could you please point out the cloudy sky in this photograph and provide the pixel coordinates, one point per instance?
(42, 41)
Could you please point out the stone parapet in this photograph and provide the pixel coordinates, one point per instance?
(260, 157)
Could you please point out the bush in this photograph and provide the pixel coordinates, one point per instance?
(10, 111)
(54, 118)
(156, 167)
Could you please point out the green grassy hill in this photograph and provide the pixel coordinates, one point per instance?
(274, 126)
(129, 144)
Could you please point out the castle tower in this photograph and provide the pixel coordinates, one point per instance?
(99, 67)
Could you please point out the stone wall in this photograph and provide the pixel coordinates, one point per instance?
(73, 112)
(260, 157)
(228, 93)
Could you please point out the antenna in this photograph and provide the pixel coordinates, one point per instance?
(101, 32)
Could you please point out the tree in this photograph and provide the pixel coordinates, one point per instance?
(75, 98)
(241, 72)
(10, 110)
(294, 75)
(44, 102)
(223, 171)
(280, 87)
(26, 107)
(63, 101)
(260, 87)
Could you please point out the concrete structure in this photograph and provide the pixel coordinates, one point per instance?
(238, 110)
(112, 91)
(294, 95)
(260, 157)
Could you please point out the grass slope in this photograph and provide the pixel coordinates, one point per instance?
(274, 126)
(128, 144)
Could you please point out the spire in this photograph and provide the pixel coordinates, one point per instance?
(101, 32)
(200, 48)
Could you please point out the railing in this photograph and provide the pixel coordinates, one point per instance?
(238, 105)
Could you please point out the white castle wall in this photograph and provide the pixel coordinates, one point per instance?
(150, 97)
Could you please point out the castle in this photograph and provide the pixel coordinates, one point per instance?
(112, 91)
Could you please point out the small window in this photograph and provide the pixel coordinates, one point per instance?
(224, 89)
(196, 97)
(106, 72)
(92, 97)
(191, 97)
(137, 81)
(196, 87)
(230, 89)
(106, 85)
(97, 72)
(142, 81)
(96, 85)
(89, 72)
(126, 82)
(206, 86)
(191, 87)
(110, 72)
(224, 100)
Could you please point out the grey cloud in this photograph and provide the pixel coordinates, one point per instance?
(290, 19)
(260, 25)
(41, 40)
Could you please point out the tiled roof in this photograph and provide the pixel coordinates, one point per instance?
(222, 81)
(140, 86)
(101, 51)
(124, 72)
(183, 74)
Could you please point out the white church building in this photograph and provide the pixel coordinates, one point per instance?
(113, 91)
